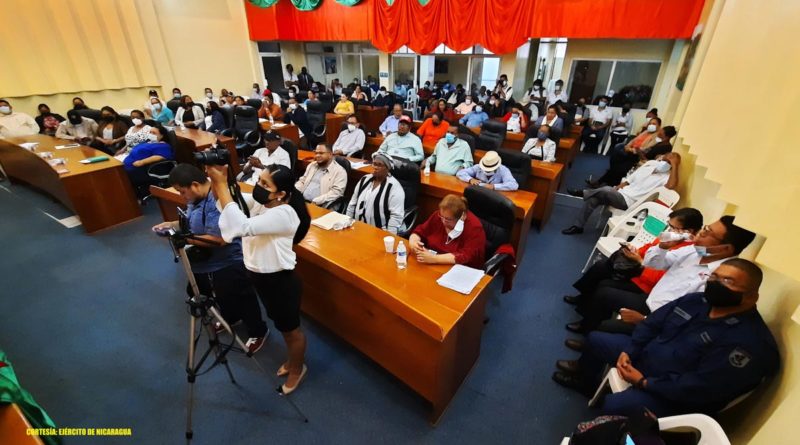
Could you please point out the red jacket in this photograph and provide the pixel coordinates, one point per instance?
(468, 248)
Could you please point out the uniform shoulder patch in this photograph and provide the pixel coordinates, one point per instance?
(739, 358)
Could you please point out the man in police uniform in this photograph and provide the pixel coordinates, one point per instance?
(695, 354)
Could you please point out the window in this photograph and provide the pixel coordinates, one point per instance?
(269, 47)
(344, 61)
(629, 81)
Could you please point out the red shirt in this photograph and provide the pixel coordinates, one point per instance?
(468, 248)
(649, 277)
(430, 133)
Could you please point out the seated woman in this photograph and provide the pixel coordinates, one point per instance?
(140, 132)
(269, 109)
(159, 112)
(516, 120)
(111, 131)
(359, 97)
(344, 107)
(551, 119)
(378, 198)
(451, 235)
(143, 155)
(190, 114)
(78, 104)
(48, 122)
(541, 147)
(214, 122)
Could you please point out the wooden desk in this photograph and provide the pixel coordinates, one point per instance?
(14, 426)
(567, 150)
(192, 140)
(333, 126)
(287, 131)
(436, 186)
(371, 117)
(100, 194)
(425, 335)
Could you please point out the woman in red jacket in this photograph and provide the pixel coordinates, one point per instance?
(516, 120)
(452, 235)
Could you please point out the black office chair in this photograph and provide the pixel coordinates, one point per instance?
(518, 162)
(470, 140)
(492, 135)
(255, 103)
(127, 120)
(227, 116)
(315, 111)
(90, 113)
(290, 148)
(327, 101)
(496, 213)
(340, 204)
(245, 131)
(407, 174)
(173, 105)
(152, 122)
(159, 172)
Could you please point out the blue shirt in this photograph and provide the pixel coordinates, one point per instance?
(164, 115)
(501, 179)
(145, 150)
(700, 363)
(389, 124)
(204, 220)
(474, 119)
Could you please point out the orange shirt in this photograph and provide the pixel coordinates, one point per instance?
(430, 133)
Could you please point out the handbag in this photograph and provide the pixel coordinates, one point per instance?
(624, 267)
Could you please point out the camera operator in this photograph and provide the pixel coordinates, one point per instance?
(216, 264)
(278, 218)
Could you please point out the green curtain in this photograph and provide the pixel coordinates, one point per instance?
(389, 2)
(348, 2)
(306, 5)
(263, 3)
(12, 392)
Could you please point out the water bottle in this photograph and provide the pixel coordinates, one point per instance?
(402, 258)
(427, 170)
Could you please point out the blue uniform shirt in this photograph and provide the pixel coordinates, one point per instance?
(204, 220)
(699, 363)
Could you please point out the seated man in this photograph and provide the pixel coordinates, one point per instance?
(474, 118)
(15, 124)
(271, 153)
(465, 107)
(694, 355)
(451, 235)
(643, 181)
(223, 270)
(403, 144)
(382, 99)
(77, 128)
(451, 154)
(623, 157)
(686, 269)
(378, 198)
(351, 140)
(143, 155)
(324, 180)
(433, 129)
(489, 173)
(389, 124)
(541, 147)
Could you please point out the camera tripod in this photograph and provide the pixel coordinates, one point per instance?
(202, 308)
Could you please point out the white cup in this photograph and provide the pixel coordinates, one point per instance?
(388, 243)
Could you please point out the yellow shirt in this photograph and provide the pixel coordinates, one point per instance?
(345, 107)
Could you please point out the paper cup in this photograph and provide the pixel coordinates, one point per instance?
(388, 243)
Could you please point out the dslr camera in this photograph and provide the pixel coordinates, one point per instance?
(213, 156)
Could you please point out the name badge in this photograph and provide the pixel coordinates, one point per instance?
(683, 314)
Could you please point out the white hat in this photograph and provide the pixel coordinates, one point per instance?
(490, 161)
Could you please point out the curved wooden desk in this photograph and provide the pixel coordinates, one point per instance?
(100, 194)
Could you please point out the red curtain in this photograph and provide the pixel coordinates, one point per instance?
(500, 26)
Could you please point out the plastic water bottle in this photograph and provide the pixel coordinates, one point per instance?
(402, 258)
(427, 170)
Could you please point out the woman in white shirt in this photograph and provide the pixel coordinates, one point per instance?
(621, 126)
(541, 147)
(379, 199)
(137, 134)
(278, 219)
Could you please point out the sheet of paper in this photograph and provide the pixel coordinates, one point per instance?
(461, 279)
(278, 125)
(356, 165)
(61, 147)
(330, 221)
(121, 158)
(261, 120)
(29, 145)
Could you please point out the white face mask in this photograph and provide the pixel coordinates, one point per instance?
(156, 106)
(457, 230)
(662, 167)
(291, 94)
(292, 106)
(5, 110)
(152, 138)
(651, 128)
(659, 140)
(491, 102)
(468, 101)
(601, 104)
(136, 122)
(209, 95)
(351, 127)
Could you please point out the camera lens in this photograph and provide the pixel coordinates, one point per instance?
(213, 156)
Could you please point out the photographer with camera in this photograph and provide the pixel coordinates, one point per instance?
(216, 264)
(278, 219)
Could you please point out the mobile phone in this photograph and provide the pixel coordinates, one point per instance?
(629, 440)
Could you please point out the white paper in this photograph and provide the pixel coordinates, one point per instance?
(261, 120)
(332, 221)
(278, 125)
(356, 165)
(30, 146)
(461, 279)
(121, 158)
(61, 147)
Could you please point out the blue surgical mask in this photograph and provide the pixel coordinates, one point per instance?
(479, 109)
(542, 136)
(701, 250)
(662, 167)
(450, 138)
(601, 104)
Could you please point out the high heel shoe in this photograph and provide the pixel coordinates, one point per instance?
(285, 390)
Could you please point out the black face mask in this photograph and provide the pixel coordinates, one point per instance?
(261, 195)
(718, 295)
(75, 120)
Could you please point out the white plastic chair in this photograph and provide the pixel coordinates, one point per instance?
(710, 431)
(662, 194)
(607, 245)
(412, 101)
